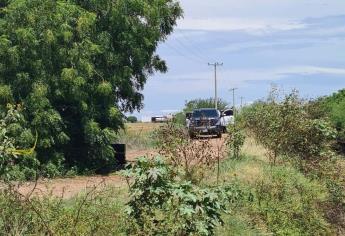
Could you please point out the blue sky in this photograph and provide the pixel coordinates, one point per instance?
(291, 43)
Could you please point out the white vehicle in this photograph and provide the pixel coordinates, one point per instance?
(188, 117)
(227, 118)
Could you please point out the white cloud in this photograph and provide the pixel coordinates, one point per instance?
(312, 70)
(238, 77)
(241, 76)
(257, 26)
(296, 9)
(187, 34)
(236, 47)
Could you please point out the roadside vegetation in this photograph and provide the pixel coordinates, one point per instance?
(192, 190)
(303, 184)
(68, 75)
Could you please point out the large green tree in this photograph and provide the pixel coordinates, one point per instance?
(77, 66)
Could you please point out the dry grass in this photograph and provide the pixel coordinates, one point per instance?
(250, 173)
(142, 128)
(247, 170)
(138, 136)
(252, 148)
(249, 167)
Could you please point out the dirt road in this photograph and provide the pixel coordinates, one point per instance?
(69, 187)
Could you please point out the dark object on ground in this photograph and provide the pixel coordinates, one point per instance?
(119, 162)
(120, 153)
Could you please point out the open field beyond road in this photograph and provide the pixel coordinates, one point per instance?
(142, 127)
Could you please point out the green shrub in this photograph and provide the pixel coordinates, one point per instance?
(235, 140)
(336, 191)
(16, 164)
(180, 118)
(162, 205)
(333, 108)
(289, 203)
(286, 129)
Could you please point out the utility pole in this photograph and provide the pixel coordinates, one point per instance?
(242, 102)
(233, 100)
(215, 82)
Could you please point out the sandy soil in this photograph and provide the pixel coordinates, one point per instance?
(70, 187)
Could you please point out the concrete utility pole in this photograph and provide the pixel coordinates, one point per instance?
(233, 99)
(242, 98)
(215, 82)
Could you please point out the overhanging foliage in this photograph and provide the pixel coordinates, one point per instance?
(76, 66)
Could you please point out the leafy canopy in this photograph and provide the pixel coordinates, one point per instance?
(77, 65)
(132, 119)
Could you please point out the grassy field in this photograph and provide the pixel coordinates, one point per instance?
(138, 136)
(141, 128)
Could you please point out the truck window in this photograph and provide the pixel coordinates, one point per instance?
(228, 113)
(205, 113)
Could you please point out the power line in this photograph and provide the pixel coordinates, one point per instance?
(185, 47)
(186, 55)
(193, 47)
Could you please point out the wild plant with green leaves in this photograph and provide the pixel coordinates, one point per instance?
(17, 159)
(332, 107)
(162, 204)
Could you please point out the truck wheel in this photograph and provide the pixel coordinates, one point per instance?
(192, 136)
(219, 135)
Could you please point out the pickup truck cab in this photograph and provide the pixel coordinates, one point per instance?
(206, 121)
(227, 118)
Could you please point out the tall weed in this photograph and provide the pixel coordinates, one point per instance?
(194, 158)
(96, 212)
